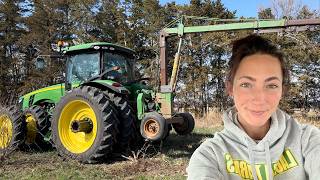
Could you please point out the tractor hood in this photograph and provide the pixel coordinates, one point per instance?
(50, 94)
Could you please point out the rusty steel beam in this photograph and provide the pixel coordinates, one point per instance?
(163, 59)
(303, 22)
(288, 29)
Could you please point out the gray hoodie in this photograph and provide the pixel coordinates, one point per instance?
(288, 151)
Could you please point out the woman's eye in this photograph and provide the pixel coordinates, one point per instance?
(272, 86)
(245, 85)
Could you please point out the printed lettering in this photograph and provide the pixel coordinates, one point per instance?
(250, 171)
(244, 170)
(291, 160)
(229, 162)
(284, 163)
(261, 171)
(236, 167)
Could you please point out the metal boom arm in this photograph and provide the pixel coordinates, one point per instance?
(263, 26)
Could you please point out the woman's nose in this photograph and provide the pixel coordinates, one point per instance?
(258, 95)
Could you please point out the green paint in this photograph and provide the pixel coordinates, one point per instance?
(50, 94)
(136, 88)
(140, 105)
(91, 46)
(255, 24)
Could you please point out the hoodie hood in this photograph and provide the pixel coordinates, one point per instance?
(235, 132)
(276, 131)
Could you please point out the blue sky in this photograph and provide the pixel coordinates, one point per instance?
(249, 8)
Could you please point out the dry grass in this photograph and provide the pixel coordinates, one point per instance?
(166, 161)
(213, 119)
(306, 120)
(49, 165)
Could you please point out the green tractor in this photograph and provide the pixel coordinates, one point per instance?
(100, 108)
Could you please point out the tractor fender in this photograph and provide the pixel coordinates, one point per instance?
(44, 102)
(107, 85)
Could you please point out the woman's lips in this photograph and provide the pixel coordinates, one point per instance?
(257, 113)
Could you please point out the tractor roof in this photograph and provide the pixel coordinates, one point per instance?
(94, 45)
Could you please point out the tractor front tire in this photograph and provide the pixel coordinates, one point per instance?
(11, 129)
(187, 126)
(84, 125)
(154, 127)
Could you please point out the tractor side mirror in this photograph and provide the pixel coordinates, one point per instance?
(40, 63)
(60, 78)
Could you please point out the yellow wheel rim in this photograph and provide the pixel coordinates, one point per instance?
(78, 142)
(31, 128)
(5, 131)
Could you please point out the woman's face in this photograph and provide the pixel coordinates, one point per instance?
(257, 89)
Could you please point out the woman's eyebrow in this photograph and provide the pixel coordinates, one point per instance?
(247, 77)
(272, 78)
(267, 80)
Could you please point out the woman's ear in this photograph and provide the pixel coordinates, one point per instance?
(229, 88)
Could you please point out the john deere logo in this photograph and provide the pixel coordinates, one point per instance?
(243, 169)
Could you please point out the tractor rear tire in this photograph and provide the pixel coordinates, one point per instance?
(126, 116)
(85, 105)
(11, 129)
(37, 126)
(187, 126)
(154, 127)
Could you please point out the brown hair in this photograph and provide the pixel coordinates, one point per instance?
(254, 44)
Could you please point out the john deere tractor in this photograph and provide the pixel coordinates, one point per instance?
(101, 105)
(97, 110)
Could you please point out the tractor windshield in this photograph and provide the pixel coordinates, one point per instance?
(124, 74)
(81, 67)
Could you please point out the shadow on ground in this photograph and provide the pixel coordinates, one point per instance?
(176, 146)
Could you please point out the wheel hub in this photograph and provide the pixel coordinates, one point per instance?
(31, 128)
(85, 125)
(151, 128)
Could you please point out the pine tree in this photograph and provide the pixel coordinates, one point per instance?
(11, 29)
(266, 14)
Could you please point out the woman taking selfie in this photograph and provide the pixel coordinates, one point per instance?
(259, 141)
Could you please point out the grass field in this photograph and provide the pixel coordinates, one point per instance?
(166, 161)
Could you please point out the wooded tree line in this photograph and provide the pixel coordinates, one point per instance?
(28, 28)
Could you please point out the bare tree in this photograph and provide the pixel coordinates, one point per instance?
(286, 8)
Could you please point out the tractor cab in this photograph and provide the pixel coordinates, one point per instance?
(98, 61)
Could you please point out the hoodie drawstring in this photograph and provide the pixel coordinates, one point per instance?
(268, 159)
(252, 163)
